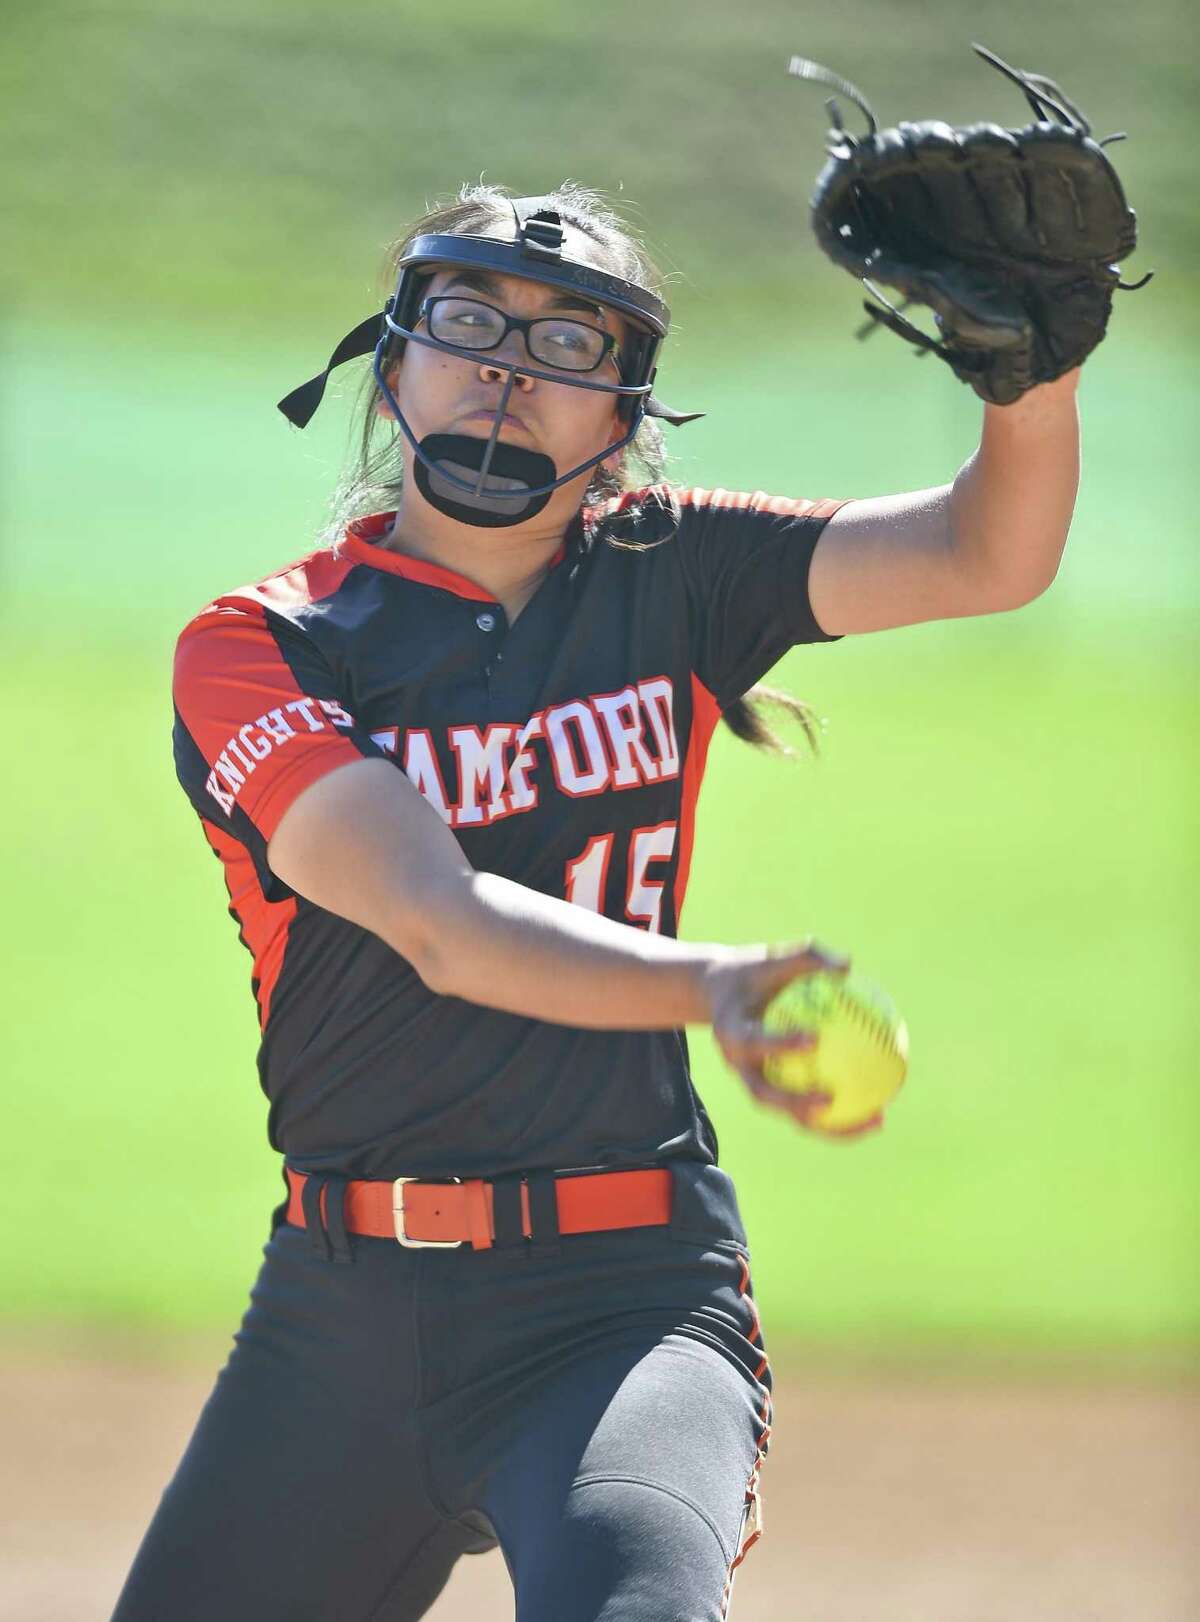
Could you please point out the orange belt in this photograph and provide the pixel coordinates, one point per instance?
(448, 1214)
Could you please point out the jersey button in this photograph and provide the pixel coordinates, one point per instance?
(486, 622)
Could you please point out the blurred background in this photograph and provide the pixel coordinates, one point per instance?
(1000, 829)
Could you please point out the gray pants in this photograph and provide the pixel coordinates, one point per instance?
(596, 1404)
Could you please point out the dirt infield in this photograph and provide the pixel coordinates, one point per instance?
(897, 1498)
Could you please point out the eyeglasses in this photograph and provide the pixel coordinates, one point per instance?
(570, 346)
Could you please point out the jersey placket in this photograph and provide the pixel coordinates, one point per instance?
(492, 627)
(515, 658)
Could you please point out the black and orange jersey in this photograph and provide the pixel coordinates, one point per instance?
(565, 751)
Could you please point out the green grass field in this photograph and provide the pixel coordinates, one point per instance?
(1001, 830)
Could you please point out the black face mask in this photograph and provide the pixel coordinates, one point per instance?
(493, 485)
(486, 482)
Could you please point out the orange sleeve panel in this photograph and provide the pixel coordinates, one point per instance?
(260, 705)
(758, 501)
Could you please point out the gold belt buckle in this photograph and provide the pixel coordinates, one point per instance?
(398, 1215)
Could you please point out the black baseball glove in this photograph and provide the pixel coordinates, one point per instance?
(1011, 237)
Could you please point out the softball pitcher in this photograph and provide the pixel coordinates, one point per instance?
(450, 768)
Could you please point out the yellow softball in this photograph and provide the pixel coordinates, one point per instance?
(861, 1056)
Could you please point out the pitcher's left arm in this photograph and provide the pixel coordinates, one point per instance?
(990, 541)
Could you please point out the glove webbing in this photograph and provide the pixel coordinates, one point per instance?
(1041, 92)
